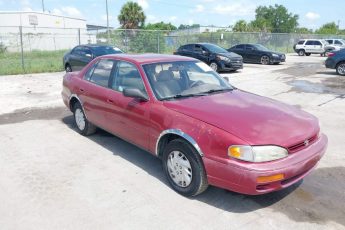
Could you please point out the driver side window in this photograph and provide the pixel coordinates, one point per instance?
(127, 76)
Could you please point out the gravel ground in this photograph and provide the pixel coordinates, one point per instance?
(54, 178)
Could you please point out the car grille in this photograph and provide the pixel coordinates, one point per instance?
(303, 144)
(236, 61)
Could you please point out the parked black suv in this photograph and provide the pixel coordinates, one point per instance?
(216, 57)
(81, 55)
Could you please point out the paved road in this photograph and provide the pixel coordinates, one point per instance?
(54, 178)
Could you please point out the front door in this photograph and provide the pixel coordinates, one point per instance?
(128, 117)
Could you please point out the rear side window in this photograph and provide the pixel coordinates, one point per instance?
(331, 41)
(89, 72)
(240, 47)
(311, 42)
(186, 48)
(337, 42)
(301, 42)
(317, 43)
(102, 71)
(77, 50)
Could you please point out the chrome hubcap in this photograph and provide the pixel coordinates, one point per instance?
(341, 69)
(214, 66)
(180, 170)
(265, 60)
(79, 119)
(301, 53)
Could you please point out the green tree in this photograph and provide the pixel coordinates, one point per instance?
(183, 27)
(131, 16)
(160, 26)
(303, 30)
(240, 26)
(275, 19)
(328, 28)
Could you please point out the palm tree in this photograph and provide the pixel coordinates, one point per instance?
(131, 16)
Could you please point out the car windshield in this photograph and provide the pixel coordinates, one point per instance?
(215, 49)
(261, 47)
(104, 50)
(183, 79)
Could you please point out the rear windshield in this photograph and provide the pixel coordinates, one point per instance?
(104, 50)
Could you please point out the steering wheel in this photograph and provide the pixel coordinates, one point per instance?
(196, 83)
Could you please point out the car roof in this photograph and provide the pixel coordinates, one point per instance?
(149, 58)
(96, 45)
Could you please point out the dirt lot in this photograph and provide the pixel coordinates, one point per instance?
(54, 178)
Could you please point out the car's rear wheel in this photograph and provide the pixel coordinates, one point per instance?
(340, 68)
(83, 125)
(68, 68)
(184, 168)
(301, 52)
(265, 60)
(214, 66)
(307, 54)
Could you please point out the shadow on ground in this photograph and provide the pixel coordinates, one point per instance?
(320, 198)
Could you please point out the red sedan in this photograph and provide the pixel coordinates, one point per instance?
(204, 130)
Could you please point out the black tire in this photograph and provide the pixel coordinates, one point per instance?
(307, 54)
(340, 68)
(198, 182)
(265, 60)
(301, 52)
(88, 128)
(214, 66)
(68, 68)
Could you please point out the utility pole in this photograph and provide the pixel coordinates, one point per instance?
(43, 6)
(108, 32)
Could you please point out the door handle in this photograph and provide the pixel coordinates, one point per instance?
(81, 90)
(110, 101)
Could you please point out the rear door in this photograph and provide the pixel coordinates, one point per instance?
(309, 46)
(239, 49)
(186, 50)
(94, 91)
(249, 53)
(318, 47)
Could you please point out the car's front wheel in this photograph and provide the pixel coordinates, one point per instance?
(265, 60)
(184, 168)
(340, 68)
(214, 66)
(83, 125)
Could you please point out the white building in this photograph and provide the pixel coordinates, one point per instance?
(41, 31)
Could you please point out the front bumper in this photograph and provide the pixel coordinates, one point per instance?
(241, 177)
(232, 65)
(279, 59)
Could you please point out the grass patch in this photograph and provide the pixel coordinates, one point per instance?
(34, 62)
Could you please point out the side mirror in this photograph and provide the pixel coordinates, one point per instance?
(135, 93)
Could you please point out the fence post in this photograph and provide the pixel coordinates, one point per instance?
(79, 36)
(157, 41)
(21, 47)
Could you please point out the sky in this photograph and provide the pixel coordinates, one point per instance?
(312, 13)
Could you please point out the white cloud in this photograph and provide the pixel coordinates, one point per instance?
(312, 16)
(71, 11)
(237, 9)
(143, 3)
(173, 18)
(56, 11)
(198, 9)
(151, 18)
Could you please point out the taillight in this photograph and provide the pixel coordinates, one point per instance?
(331, 54)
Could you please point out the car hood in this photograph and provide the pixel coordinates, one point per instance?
(255, 119)
(230, 55)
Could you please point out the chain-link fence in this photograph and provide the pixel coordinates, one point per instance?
(37, 49)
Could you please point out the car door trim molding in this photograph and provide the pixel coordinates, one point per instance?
(180, 133)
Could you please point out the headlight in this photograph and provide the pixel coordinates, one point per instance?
(223, 58)
(275, 55)
(257, 153)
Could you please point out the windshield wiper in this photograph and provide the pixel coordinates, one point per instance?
(218, 90)
(178, 96)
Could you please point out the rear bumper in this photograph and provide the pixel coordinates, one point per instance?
(242, 176)
(330, 63)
